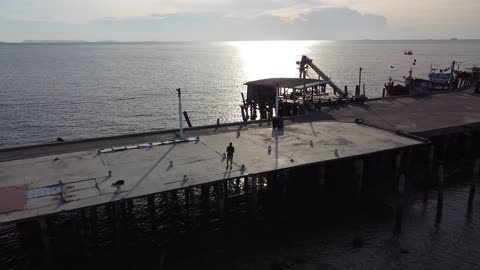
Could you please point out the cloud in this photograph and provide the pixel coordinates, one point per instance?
(312, 24)
(237, 19)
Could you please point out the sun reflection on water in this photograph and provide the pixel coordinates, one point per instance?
(265, 59)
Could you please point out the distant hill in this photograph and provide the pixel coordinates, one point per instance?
(55, 41)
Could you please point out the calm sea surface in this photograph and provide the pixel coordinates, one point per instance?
(90, 90)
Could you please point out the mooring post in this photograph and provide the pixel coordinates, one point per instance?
(440, 194)
(358, 177)
(45, 238)
(221, 203)
(401, 200)
(476, 169)
(254, 198)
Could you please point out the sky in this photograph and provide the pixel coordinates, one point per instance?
(206, 20)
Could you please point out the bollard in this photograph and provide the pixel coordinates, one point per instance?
(439, 194)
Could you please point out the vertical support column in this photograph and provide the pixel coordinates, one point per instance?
(254, 198)
(439, 194)
(358, 177)
(45, 239)
(221, 203)
(471, 196)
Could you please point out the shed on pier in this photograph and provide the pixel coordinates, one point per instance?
(264, 90)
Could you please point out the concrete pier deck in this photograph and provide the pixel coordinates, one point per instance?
(428, 116)
(31, 176)
(85, 179)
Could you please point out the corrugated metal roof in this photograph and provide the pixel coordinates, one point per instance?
(285, 82)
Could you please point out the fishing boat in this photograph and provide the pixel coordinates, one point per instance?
(438, 80)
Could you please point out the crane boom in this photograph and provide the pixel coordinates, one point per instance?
(307, 62)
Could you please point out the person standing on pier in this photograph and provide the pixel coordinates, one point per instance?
(230, 151)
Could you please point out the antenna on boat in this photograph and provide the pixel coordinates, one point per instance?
(180, 112)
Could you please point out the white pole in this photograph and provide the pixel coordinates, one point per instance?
(276, 102)
(180, 112)
(360, 77)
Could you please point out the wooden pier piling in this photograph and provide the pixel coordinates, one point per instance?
(45, 238)
(400, 203)
(438, 217)
(221, 203)
(321, 170)
(358, 169)
(254, 196)
(471, 196)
